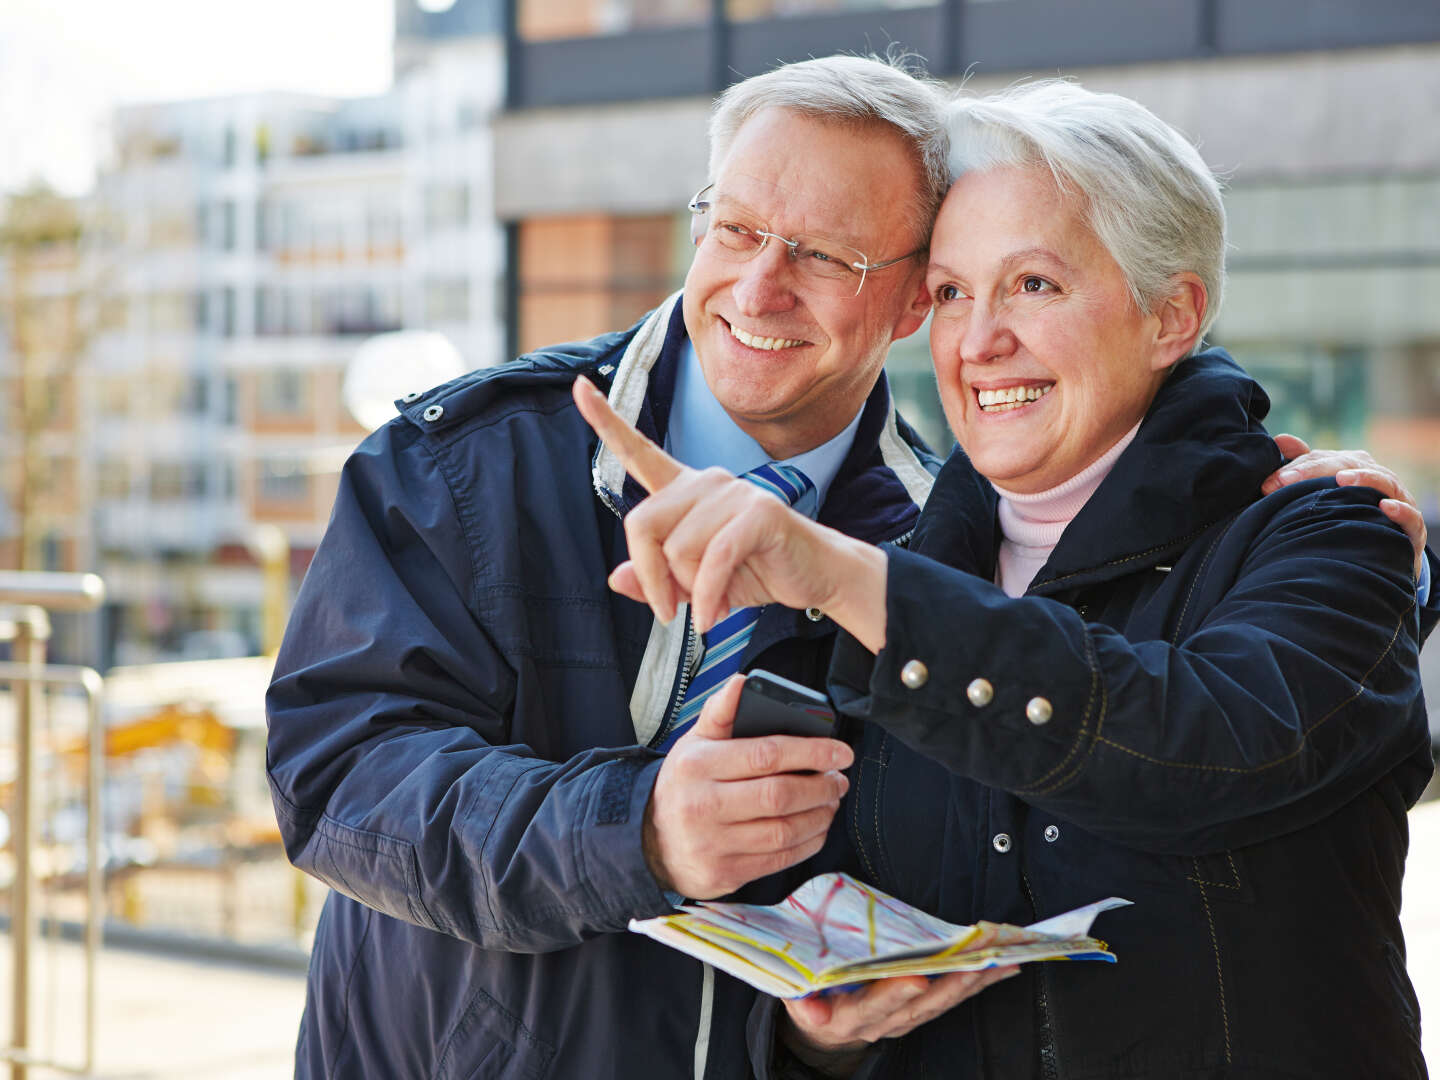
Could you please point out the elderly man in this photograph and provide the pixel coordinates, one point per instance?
(493, 760)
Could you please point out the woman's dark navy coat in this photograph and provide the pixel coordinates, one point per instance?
(1235, 731)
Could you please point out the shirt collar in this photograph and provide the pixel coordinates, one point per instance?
(701, 433)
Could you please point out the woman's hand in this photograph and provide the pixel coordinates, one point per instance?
(721, 542)
(1351, 467)
(833, 1033)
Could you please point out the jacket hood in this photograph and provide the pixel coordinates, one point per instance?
(1199, 456)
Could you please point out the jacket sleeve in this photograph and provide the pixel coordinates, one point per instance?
(389, 759)
(1295, 691)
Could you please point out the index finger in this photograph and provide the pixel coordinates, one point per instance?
(642, 459)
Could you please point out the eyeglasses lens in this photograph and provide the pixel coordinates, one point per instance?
(823, 264)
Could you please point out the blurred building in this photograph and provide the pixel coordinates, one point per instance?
(1322, 115)
(46, 312)
(250, 244)
(524, 182)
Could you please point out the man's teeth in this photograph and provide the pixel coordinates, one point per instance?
(753, 342)
(1012, 397)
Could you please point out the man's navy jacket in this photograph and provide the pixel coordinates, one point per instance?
(457, 724)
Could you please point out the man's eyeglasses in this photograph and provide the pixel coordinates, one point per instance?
(826, 265)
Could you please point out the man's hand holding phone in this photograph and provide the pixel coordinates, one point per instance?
(727, 810)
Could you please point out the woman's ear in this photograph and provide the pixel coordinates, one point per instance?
(1180, 315)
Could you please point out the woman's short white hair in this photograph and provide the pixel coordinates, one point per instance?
(1151, 199)
(851, 90)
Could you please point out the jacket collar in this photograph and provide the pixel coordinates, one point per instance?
(1199, 456)
(876, 495)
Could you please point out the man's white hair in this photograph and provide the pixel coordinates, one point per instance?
(1150, 198)
(855, 90)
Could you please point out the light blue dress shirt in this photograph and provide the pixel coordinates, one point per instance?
(702, 435)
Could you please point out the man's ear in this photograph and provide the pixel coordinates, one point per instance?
(915, 312)
(1179, 317)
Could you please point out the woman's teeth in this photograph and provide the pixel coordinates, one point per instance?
(754, 342)
(1012, 397)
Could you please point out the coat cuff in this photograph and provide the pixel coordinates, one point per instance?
(770, 1060)
(610, 847)
(946, 685)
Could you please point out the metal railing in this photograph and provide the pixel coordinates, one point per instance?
(26, 599)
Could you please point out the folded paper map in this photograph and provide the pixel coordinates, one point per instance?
(835, 931)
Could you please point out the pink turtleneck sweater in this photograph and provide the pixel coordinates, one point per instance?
(1031, 524)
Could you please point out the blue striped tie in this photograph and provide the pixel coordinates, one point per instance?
(726, 640)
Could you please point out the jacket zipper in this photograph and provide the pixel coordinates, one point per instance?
(1049, 1058)
(682, 684)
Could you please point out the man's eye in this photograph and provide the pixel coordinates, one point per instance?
(733, 227)
(828, 259)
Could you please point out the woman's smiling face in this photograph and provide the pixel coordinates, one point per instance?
(1043, 358)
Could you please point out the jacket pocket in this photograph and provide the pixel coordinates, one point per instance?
(1222, 875)
(866, 798)
(378, 871)
(489, 1042)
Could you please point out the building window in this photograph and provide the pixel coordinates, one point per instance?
(227, 226)
(171, 481)
(447, 300)
(284, 480)
(196, 399)
(230, 401)
(578, 274)
(281, 392)
(1317, 390)
(169, 313)
(114, 395)
(447, 206)
(113, 314)
(540, 20)
(228, 303)
(112, 478)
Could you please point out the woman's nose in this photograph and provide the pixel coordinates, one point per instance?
(987, 335)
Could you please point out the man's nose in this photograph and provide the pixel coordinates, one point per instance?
(765, 283)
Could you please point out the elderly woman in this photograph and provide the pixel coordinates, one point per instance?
(1106, 664)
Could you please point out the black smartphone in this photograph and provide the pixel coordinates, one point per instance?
(770, 705)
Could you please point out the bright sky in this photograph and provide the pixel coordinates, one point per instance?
(65, 63)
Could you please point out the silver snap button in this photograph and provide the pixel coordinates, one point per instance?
(1052, 833)
(1038, 711)
(414, 395)
(814, 614)
(1001, 842)
(914, 674)
(980, 692)
(433, 413)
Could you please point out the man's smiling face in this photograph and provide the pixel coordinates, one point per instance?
(790, 364)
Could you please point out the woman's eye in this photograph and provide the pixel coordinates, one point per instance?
(947, 292)
(1032, 284)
